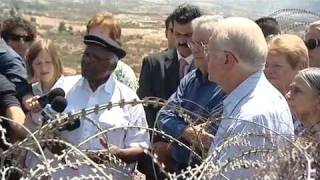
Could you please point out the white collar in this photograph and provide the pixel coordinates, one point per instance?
(188, 59)
(108, 86)
(242, 90)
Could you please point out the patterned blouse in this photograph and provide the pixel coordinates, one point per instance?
(126, 75)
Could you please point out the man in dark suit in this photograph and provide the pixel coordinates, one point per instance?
(161, 73)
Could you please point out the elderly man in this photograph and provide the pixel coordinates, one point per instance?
(312, 40)
(205, 104)
(98, 86)
(237, 56)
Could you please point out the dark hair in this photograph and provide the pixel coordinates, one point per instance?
(168, 21)
(269, 26)
(10, 24)
(185, 13)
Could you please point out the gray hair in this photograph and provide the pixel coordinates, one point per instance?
(205, 21)
(314, 25)
(312, 77)
(243, 37)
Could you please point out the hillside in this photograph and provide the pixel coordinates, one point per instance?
(142, 21)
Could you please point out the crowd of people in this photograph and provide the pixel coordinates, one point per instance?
(233, 75)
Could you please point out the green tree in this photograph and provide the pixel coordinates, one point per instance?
(62, 27)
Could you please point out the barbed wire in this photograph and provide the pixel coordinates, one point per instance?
(294, 19)
(208, 168)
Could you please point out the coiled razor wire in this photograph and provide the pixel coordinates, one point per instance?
(298, 154)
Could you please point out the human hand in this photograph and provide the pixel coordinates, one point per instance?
(198, 136)
(31, 103)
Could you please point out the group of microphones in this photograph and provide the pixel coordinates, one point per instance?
(53, 103)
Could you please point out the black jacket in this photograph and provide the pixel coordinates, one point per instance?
(159, 78)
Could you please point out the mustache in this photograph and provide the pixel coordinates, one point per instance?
(183, 44)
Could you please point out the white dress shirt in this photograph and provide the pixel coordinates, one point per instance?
(81, 97)
(256, 101)
(64, 82)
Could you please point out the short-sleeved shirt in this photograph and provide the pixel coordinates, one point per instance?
(81, 96)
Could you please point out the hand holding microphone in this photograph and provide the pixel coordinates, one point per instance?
(57, 105)
(35, 103)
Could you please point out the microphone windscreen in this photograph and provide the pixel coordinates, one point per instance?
(54, 93)
(48, 98)
(59, 104)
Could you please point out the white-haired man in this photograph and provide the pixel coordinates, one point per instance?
(205, 104)
(237, 54)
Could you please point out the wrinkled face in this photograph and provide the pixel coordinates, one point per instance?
(314, 54)
(302, 99)
(216, 68)
(198, 46)
(97, 63)
(20, 41)
(279, 72)
(43, 68)
(182, 34)
(170, 36)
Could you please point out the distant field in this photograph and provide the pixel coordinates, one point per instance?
(138, 38)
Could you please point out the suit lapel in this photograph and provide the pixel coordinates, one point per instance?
(171, 71)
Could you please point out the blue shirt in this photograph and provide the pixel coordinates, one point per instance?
(13, 67)
(257, 107)
(196, 94)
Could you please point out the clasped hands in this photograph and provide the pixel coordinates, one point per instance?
(198, 136)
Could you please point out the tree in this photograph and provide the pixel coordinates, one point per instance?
(62, 27)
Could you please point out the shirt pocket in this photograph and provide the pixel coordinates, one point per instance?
(115, 120)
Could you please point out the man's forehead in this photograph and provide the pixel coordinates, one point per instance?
(182, 26)
(98, 49)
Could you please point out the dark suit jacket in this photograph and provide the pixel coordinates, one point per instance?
(159, 78)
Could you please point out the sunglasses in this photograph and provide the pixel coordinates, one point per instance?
(16, 37)
(312, 43)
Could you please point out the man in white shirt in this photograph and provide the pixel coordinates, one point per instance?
(98, 86)
(237, 54)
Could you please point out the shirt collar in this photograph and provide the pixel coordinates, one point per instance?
(188, 59)
(242, 90)
(3, 46)
(108, 86)
(202, 78)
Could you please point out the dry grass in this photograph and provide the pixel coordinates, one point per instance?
(138, 39)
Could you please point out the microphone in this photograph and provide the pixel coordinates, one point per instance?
(58, 105)
(49, 97)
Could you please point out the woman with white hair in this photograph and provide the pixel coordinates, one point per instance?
(312, 40)
(304, 99)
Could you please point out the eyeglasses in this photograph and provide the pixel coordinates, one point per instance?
(16, 37)
(198, 45)
(312, 43)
